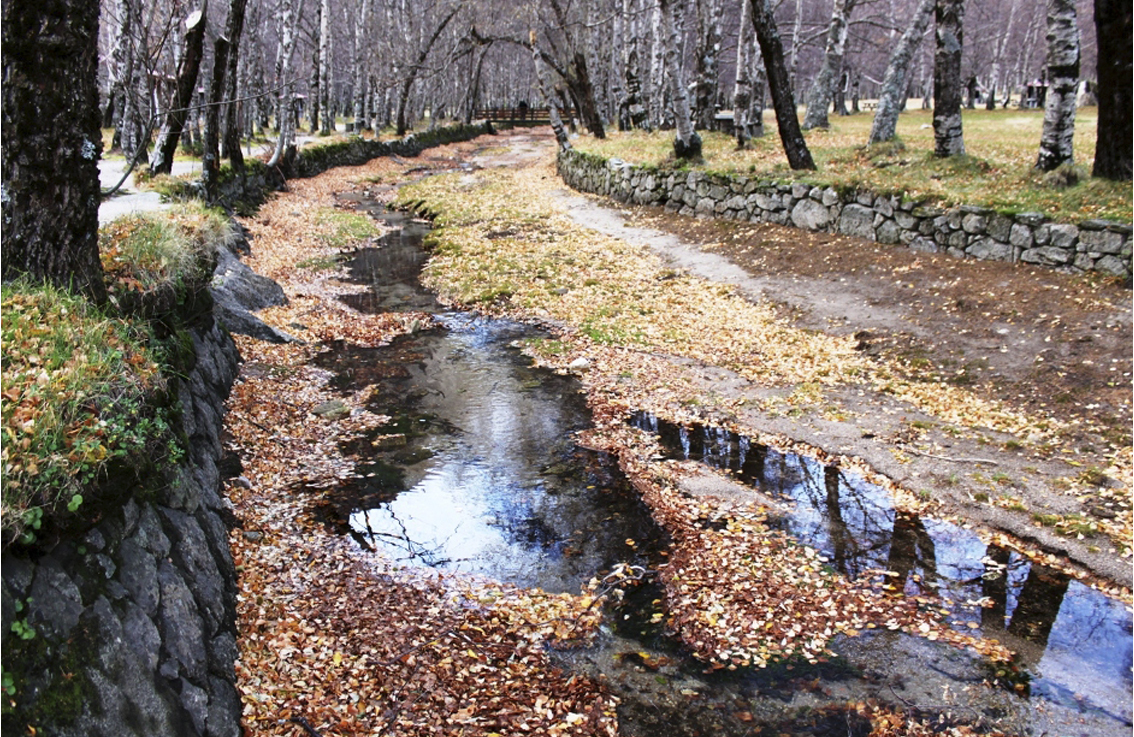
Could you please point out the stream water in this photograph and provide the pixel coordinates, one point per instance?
(478, 472)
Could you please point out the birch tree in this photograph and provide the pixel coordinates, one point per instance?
(128, 69)
(686, 143)
(948, 134)
(326, 69)
(632, 110)
(49, 197)
(897, 75)
(748, 93)
(1113, 150)
(287, 30)
(1062, 79)
(823, 88)
(658, 87)
(358, 61)
(999, 51)
(161, 161)
(779, 84)
(412, 72)
(546, 89)
(707, 65)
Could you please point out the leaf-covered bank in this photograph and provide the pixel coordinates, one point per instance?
(646, 336)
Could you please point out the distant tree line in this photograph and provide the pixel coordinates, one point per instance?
(294, 65)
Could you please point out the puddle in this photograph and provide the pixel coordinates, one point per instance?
(478, 472)
(1073, 643)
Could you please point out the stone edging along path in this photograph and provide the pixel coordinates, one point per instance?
(965, 232)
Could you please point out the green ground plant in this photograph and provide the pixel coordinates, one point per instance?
(87, 388)
(998, 171)
(76, 383)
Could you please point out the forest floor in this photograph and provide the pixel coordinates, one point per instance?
(993, 394)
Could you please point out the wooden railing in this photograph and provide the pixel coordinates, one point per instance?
(520, 114)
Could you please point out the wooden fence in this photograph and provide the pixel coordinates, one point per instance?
(520, 114)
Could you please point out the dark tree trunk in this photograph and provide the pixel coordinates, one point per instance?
(162, 160)
(948, 87)
(233, 29)
(1113, 150)
(51, 144)
(583, 90)
(314, 91)
(894, 83)
(210, 159)
(779, 84)
(1063, 78)
(411, 74)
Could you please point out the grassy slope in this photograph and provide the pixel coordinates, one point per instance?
(1002, 147)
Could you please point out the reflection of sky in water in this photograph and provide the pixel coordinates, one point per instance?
(459, 515)
(1087, 654)
(504, 492)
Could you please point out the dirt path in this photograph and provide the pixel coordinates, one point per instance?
(1054, 348)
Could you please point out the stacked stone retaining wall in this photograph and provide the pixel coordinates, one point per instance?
(965, 231)
(131, 625)
(235, 192)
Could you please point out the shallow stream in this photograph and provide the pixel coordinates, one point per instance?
(478, 472)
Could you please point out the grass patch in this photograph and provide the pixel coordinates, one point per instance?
(998, 172)
(345, 229)
(76, 388)
(148, 250)
(88, 409)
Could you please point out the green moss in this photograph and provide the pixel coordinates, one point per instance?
(46, 684)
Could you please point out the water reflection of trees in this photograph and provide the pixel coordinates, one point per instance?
(1038, 602)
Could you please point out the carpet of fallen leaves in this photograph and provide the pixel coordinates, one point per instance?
(629, 316)
(352, 644)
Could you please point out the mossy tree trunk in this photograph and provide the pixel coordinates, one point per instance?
(51, 144)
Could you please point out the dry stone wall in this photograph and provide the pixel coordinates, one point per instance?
(965, 231)
(130, 626)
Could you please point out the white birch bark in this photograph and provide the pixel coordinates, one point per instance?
(548, 93)
(948, 132)
(998, 57)
(326, 69)
(288, 26)
(362, 21)
(686, 144)
(707, 61)
(897, 75)
(796, 28)
(1062, 79)
(657, 96)
(823, 88)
